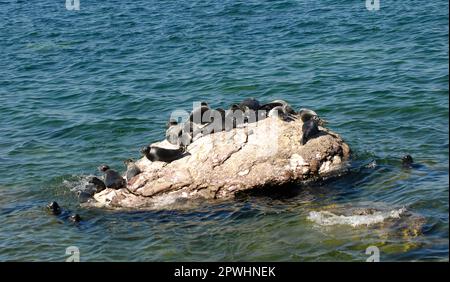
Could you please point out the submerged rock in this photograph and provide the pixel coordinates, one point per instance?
(219, 165)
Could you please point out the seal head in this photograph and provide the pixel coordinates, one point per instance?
(407, 161)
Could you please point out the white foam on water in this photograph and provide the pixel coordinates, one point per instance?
(326, 218)
(78, 184)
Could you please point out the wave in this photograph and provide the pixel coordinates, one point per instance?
(365, 218)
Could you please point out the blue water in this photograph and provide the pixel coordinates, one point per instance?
(81, 88)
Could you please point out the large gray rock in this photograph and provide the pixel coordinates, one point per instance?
(217, 166)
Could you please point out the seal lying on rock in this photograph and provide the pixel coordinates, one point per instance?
(278, 103)
(112, 178)
(154, 153)
(282, 112)
(97, 184)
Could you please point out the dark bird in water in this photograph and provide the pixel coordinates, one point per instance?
(112, 178)
(54, 208)
(310, 128)
(154, 153)
(132, 169)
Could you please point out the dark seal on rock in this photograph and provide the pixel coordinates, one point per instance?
(278, 103)
(98, 184)
(310, 128)
(283, 113)
(112, 178)
(154, 154)
(311, 122)
(132, 169)
(198, 116)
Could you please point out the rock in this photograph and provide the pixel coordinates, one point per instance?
(219, 165)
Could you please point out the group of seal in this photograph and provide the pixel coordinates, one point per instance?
(55, 209)
(111, 179)
(203, 121)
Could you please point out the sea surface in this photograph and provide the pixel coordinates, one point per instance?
(82, 88)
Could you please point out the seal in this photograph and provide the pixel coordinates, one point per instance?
(234, 117)
(250, 107)
(278, 103)
(97, 184)
(282, 112)
(75, 218)
(94, 185)
(408, 162)
(221, 119)
(54, 208)
(112, 178)
(310, 128)
(132, 169)
(85, 196)
(182, 134)
(154, 153)
(250, 104)
(307, 114)
(198, 116)
(217, 124)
